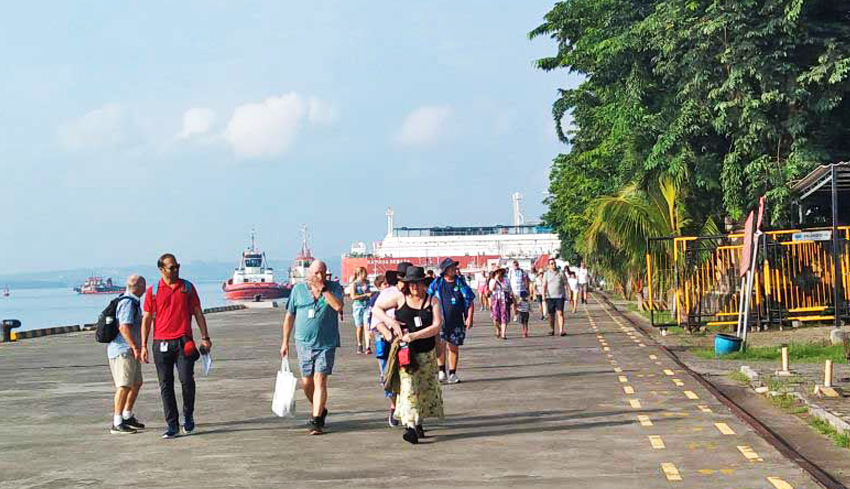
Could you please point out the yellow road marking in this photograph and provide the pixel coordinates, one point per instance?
(671, 472)
(618, 370)
(706, 471)
(605, 348)
(628, 389)
(749, 454)
(669, 372)
(678, 382)
(724, 428)
(704, 408)
(653, 357)
(644, 420)
(691, 395)
(623, 379)
(641, 345)
(634, 403)
(779, 483)
(656, 442)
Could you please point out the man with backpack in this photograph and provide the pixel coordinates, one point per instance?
(124, 353)
(170, 305)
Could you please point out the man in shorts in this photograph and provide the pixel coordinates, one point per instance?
(124, 353)
(313, 309)
(554, 295)
(457, 304)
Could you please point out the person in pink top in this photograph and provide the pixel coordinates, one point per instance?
(382, 331)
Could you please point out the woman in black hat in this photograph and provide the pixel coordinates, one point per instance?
(417, 321)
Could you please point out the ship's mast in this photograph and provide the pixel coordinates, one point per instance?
(305, 238)
(252, 239)
(519, 219)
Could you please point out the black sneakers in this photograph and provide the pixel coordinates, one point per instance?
(122, 429)
(134, 423)
(172, 432)
(410, 436)
(188, 426)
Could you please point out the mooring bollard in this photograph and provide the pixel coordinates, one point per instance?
(6, 327)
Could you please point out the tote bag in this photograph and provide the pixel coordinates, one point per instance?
(283, 402)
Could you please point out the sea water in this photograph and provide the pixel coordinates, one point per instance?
(46, 308)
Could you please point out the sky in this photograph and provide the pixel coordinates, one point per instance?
(129, 129)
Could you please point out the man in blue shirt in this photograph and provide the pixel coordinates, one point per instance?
(123, 354)
(313, 309)
(457, 305)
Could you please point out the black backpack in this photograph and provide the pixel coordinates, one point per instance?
(107, 323)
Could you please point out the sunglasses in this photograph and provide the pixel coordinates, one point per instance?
(172, 268)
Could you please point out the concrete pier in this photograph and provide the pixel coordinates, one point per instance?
(600, 408)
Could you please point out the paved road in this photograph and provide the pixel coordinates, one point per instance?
(599, 408)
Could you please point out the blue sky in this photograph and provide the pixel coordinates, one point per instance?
(133, 128)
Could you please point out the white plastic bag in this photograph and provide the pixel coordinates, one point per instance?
(283, 403)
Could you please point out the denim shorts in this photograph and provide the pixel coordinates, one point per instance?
(312, 361)
(360, 311)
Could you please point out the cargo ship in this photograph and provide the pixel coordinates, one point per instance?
(98, 285)
(478, 249)
(253, 279)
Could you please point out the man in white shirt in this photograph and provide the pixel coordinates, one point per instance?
(518, 280)
(582, 282)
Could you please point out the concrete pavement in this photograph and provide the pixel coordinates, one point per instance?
(599, 408)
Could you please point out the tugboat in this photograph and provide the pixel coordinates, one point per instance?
(253, 279)
(298, 270)
(97, 285)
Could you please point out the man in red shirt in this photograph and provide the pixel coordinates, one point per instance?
(170, 305)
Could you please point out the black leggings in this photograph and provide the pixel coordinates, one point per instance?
(165, 362)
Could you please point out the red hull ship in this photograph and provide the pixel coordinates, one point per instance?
(252, 279)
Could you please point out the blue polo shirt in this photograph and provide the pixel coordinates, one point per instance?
(321, 332)
(129, 312)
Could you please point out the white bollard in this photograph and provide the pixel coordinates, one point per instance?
(827, 374)
(785, 359)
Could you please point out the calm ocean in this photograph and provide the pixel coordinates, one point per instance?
(46, 308)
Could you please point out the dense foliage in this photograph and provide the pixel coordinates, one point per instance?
(731, 99)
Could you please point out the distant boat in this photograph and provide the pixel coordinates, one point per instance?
(97, 285)
(6, 291)
(253, 278)
(298, 270)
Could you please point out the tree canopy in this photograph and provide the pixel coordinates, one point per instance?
(732, 99)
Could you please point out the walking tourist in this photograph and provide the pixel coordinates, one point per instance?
(123, 354)
(360, 306)
(572, 281)
(457, 304)
(518, 279)
(539, 285)
(554, 294)
(500, 312)
(170, 305)
(483, 292)
(523, 308)
(384, 331)
(417, 319)
(582, 282)
(313, 309)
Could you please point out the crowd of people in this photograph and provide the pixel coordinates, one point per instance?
(415, 319)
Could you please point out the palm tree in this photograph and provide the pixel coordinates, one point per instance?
(623, 223)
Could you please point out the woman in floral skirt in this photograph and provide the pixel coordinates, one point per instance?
(417, 322)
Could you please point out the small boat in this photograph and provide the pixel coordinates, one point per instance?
(298, 270)
(98, 285)
(6, 291)
(253, 279)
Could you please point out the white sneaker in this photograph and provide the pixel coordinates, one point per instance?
(441, 376)
(453, 379)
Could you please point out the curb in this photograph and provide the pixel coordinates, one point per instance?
(40, 333)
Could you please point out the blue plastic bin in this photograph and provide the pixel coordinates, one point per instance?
(725, 344)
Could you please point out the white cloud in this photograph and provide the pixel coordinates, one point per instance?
(321, 112)
(197, 121)
(424, 126)
(267, 128)
(99, 129)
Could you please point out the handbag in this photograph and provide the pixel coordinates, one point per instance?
(283, 402)
(404, 359)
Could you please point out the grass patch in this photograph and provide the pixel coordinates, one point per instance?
(739, 377)
(842, 440)
(801, 352)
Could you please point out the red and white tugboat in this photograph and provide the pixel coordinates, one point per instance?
(298, 270)
(97, 285)
(253, 279)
